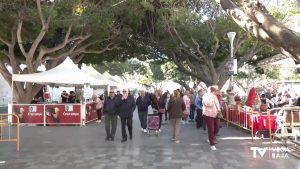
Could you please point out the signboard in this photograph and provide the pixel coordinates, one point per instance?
(62, 114)
(33, 114)
(231, 67)
(87, 91)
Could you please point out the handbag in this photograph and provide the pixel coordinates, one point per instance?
(162, 111)
(219, 115)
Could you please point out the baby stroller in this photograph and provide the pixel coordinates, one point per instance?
(153, 124)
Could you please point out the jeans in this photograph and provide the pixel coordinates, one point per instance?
(192, 111)
(143, 119)
(110, 120)
(176, 128)
(126, 121)
(212, 129)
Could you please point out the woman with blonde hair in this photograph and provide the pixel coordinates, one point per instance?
(176, 107)
(186, 112)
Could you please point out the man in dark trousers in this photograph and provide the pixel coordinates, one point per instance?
(110, 110)
(143, 102)
(198, 103)
(126, 112)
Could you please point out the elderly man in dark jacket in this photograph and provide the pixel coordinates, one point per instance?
(126, 112)
(143, 102)
(110, 110)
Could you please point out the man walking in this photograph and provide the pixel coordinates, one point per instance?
(110, 108)
(198, 103)
(143, 102)
(126, 112)
(192, 104)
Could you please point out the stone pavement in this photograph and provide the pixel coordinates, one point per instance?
(74, 147)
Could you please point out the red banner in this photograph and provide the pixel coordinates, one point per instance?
(90, 113)
(33, 113)
(62, 114)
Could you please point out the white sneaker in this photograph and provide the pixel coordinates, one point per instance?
(173, 139)
(213, 148)
(145, 131)
(142, 129)
(177, 141)
(159, 130)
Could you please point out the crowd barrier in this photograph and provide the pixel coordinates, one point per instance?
(10, 132)
(275, 121)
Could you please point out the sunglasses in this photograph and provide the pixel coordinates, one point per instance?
(111, 92)
(124, 91)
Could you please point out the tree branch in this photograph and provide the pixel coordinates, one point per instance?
(5, 42)
(38, 4)
(19, 38)
(109, 47)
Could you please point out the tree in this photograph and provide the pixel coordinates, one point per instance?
(250, 75)
(253, 18)
(44, 32)
(192, 35)
(171, 72)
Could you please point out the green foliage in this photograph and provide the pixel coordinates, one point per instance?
(171, 72)
(285, 9)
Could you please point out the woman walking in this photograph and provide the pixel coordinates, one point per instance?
(210, 109)
(176, 107)
(186, 112)
(158, 104)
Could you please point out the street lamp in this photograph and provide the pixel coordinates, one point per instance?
(231, 36)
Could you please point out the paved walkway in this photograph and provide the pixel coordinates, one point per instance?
(85, 148)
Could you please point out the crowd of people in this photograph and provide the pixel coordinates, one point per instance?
(179, 108)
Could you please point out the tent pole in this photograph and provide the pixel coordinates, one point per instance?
(12, 94)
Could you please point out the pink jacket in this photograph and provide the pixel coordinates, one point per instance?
(99, 103)
(187, 101)
(210, 105)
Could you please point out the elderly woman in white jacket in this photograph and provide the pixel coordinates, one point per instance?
(210, 109)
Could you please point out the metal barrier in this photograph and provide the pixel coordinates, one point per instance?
(7, 129)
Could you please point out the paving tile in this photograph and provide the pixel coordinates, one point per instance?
(67, 147)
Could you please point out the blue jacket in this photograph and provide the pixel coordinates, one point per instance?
(143, 103)
(198, 102)
(127, 107)
(111, 105)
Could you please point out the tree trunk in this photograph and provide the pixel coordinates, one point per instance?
(255, 19)
(25, 96)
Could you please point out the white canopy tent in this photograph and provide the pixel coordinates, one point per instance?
(66, 73)
(92, 72)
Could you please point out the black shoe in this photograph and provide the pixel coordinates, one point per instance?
(130, 137)
(107, 139)
(123, 140)
(112, 139)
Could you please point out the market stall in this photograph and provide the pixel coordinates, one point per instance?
(65, 74)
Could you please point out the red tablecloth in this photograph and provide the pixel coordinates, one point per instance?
(260, 122)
